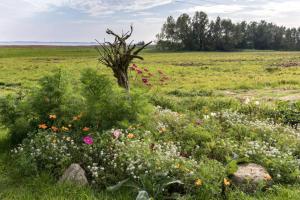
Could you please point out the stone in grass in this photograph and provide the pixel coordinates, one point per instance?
(74, 174)
(250, 177)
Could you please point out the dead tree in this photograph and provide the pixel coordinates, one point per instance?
(118, 55)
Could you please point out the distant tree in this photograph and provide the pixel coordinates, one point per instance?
(183, 31)
(228, 40)
(167, 39)
(199, 34)
(240, 35)
(200, 24)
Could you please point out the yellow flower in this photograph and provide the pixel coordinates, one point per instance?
(226, 182)
(198, 182)
(162, 130)
(52, 117)
(130, 136)
(177, 166)
(65, 128)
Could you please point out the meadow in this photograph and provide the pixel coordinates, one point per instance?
(198, 81)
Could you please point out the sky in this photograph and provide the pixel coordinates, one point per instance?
(87, 20)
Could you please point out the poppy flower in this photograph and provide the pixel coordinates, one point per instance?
(85, 129)
(43, 126)
(139, 71)
(54, 128)
(130, 136)
(145, 80)
(88, 140)
(52, 117)
(160, 72)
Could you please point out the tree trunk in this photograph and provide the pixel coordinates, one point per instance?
(123, 80)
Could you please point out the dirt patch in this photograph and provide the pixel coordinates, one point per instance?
(287, 64)
(265, 95)
(295, 97)
(190, 64)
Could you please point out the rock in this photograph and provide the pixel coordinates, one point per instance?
(251, 176)
(175, 187)
(74, 174)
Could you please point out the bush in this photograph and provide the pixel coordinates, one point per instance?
(94, 100)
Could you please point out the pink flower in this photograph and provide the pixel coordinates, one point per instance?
(117, 133)
(88, 140)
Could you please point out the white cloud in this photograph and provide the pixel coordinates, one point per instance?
(214, 9)
(96, 7)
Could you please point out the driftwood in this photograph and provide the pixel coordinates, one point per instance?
(118, 55)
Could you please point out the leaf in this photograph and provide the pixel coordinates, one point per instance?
(117, 186)
(143, 195)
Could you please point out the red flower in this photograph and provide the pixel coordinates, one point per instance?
(139, 71)
(146, 70)
(145, 80)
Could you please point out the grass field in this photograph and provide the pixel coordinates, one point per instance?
(263, 75)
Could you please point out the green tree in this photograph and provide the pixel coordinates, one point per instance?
(200, 24)
(183, 31)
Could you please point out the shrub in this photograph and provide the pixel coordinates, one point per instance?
(94, 100)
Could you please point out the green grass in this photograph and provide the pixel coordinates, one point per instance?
(194, 77)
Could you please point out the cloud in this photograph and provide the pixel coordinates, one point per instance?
(96, 7)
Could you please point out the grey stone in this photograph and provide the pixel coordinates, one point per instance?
(74, 174)
(251, 176)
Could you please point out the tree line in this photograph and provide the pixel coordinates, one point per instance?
(198, 33)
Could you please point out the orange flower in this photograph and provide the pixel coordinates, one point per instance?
(43, 126)
(54, 128)
(226, 182)
(198, 182)
(86, 129)
(76, 118)
(130, 136)
(65, 128)
(268, 177)
(52, 117)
